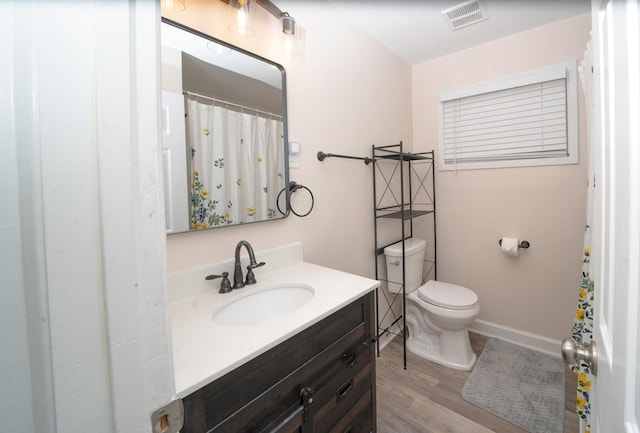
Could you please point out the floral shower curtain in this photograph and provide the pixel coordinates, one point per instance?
(237, 165)
(583, 322)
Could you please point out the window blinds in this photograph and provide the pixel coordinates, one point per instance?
(528, 121)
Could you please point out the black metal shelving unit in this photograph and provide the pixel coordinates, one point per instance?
(404, 194)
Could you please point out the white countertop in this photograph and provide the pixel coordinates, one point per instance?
(204, 350)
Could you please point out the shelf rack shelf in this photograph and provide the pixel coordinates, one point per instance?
(404, 192)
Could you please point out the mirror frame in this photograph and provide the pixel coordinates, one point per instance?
(285, 125)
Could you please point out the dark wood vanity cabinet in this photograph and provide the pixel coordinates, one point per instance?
(320, 380)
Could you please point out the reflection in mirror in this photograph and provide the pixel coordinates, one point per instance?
(224, 133)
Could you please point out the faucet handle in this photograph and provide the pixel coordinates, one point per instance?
(225, 284)
(251, 278)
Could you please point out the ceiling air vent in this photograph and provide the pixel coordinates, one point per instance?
(465, 14)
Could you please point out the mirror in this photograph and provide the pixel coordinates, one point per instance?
(224, 133)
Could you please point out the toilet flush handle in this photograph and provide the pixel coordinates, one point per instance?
(395, 262)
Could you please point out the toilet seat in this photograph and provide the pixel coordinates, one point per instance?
(447, 295)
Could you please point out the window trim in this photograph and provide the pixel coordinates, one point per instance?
(566, 70)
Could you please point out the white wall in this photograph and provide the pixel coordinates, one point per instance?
(536, 292)
(349, 94)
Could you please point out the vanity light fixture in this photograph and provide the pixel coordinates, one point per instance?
(293, 43)
(242, 16)
(288, 22)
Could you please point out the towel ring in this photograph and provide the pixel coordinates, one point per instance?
(293, 187)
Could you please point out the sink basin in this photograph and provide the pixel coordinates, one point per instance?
(263, 305)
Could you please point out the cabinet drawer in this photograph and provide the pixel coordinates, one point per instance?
(359, 420)
(339, 396)
(284, 397)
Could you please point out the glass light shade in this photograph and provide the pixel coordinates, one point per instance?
(242, 16)
(174, 5)
(293, 45)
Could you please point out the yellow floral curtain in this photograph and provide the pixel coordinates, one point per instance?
(582, 331)
(583, 334)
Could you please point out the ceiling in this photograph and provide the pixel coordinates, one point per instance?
(417, 31)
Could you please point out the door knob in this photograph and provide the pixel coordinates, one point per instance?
(588, 355)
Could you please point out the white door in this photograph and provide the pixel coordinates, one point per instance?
(84, 336)
(616, 389)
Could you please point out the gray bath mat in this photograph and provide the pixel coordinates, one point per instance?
(520, 385)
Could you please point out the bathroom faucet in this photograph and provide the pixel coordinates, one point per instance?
(237, 273)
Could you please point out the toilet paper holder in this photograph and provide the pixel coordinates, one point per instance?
(523, 244)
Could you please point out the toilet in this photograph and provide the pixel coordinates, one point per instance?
(437, 313)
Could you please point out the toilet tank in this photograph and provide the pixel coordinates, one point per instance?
(414, 258)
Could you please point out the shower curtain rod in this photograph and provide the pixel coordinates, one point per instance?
(197, 95)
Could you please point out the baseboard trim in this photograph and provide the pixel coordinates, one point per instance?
(385, 339)
(512, 335)
(515, 336)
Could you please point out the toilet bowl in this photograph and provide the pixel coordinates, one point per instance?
(437, 313)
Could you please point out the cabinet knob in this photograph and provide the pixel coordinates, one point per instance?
(352, 361)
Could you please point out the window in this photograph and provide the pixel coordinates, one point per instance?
(521, 120)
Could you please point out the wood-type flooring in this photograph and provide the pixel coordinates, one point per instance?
(426, 397)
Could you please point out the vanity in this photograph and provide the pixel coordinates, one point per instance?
(308, 367)
(293, 352)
